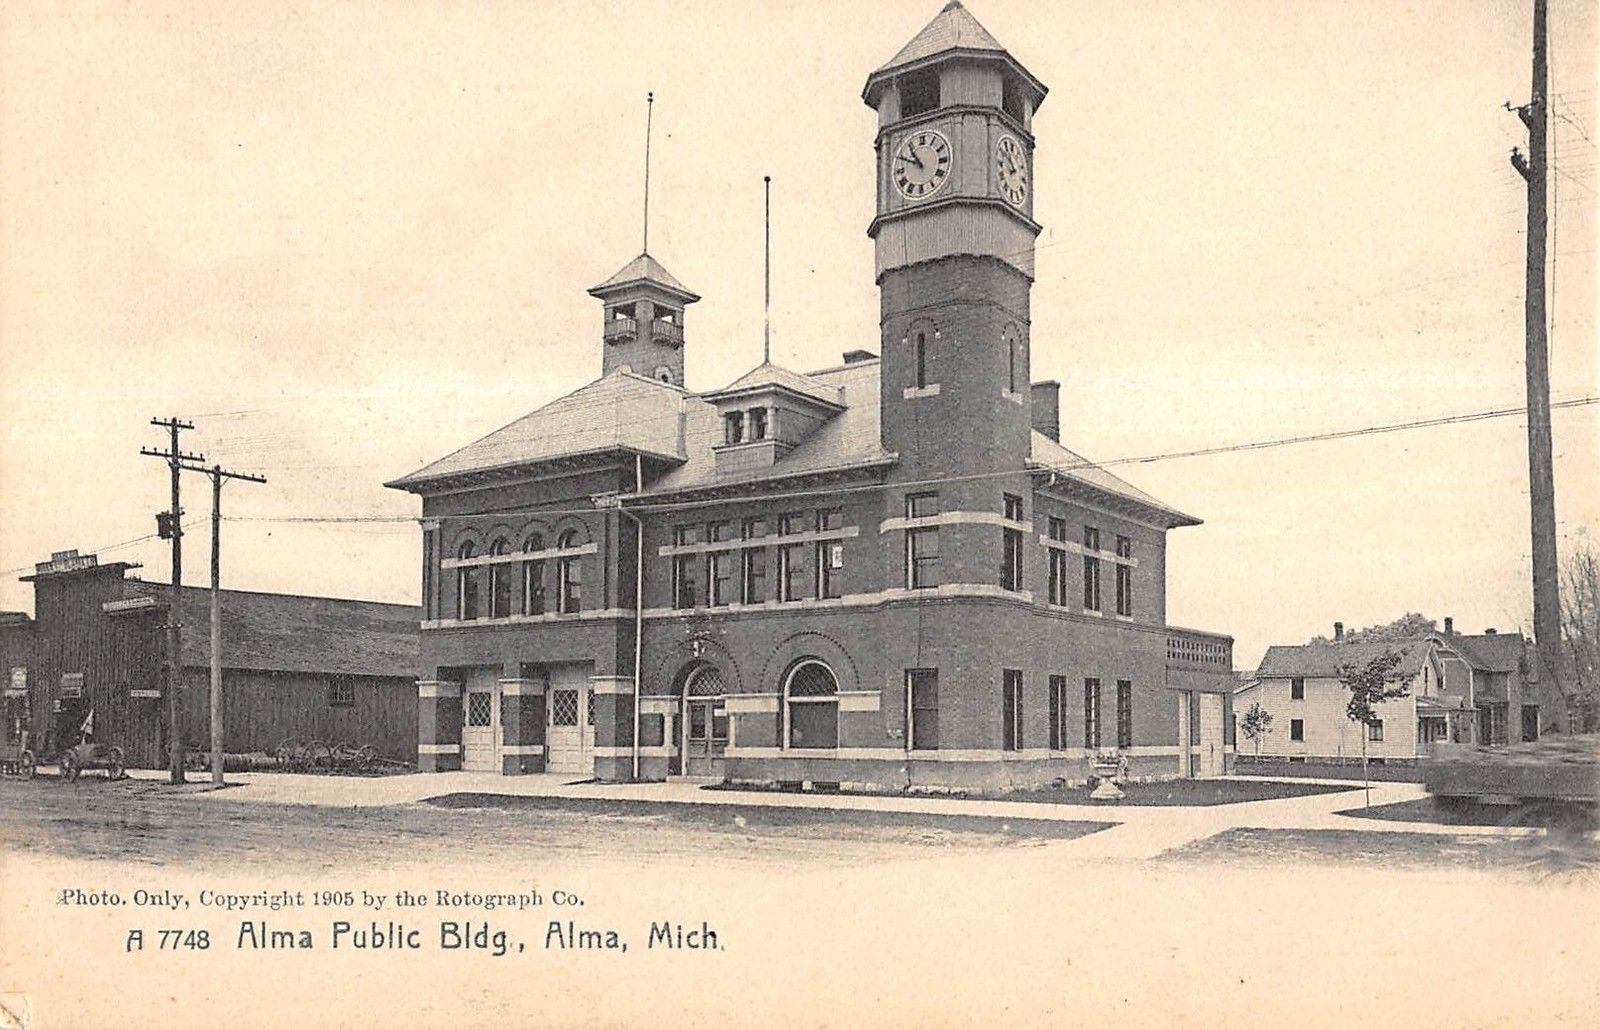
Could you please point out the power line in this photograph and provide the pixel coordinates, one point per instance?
(1081, 465)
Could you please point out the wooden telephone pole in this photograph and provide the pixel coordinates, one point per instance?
(217, 474)
(173, 527)
(1541, 475)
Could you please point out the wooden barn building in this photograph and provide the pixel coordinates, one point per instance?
(889, 572)
(293, 666)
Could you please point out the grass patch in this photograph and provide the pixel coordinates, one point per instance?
(1462, 812)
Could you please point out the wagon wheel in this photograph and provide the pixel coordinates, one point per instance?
(26, 765)
(116, 764)
(319, 756)
(366, 757)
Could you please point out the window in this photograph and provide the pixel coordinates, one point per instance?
(733, 427)
(1058, 561)
(1124, 576)
(499, 581)
(919, 92)
(920, 359)
(469, 585)
(1297, 689)
(829, 555)
(811, 706)
(1011, 546)
(1091, 713)
(1009, 341)
(1091, 569)
(758, 423)
(341, 692)
(1058, 713)
(924, 721)
(719, 565)
(569, 575)
(753, 573)
(480, 708)
(791, 560)
(1297, 729)
(1011, 709)
(1124, 713)
(1011, 99)
(685, 591)
(922, 543)
(563, 707)
(533, 577)
(1375, 731)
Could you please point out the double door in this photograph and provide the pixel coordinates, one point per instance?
(705, 733)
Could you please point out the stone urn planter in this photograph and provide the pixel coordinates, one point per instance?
(1109, 769)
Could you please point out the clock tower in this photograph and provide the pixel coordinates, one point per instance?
(954, 236)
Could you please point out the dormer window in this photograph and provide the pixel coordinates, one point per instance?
(758, 423)
(733, 427)
(919, 92)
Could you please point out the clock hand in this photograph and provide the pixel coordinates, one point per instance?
(917, 158)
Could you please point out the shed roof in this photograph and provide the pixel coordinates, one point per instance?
(297, 633)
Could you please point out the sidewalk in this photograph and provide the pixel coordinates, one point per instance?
(1141, 831)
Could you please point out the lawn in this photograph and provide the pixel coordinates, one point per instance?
(1445, 812)
(1162, 793)
(1539, 855)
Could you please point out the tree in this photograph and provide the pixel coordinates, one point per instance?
(1255, 725)
(1580, 636)
(1409, 626)
(1370, 684)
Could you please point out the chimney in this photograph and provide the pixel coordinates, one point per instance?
(1047, 409)
(1338, 631)
(856, 357)
(1449, 626)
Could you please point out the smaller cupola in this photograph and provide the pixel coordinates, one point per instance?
(643, 327)
(766, 413)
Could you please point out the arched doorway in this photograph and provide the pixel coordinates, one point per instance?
(704, 722)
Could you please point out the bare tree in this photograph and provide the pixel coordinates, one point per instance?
(1580, 633)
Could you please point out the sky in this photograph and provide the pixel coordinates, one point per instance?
(345, 240)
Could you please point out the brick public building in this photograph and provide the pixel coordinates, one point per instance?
(889, 572)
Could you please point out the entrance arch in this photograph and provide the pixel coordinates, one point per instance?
(703, 720)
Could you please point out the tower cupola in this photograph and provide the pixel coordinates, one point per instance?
(643, 327)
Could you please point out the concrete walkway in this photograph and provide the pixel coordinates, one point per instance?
(1142, 831)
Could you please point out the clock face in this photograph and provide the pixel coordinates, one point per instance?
(921, 164)
(1011, 170)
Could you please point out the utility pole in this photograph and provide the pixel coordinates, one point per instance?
(217, 474)
(173, 528)
(1541, 474)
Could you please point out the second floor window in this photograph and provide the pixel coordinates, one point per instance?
(500, 579)
(791, 571)
(1124, 576)
(719, 565)
(533, 577)
(685, 590)
(922, 542)
(920, 359)
(569, 575)
(753, 563)
(469, 585)
(1011, 546)
(830, 555)
(1058, 561)
(1091, 569)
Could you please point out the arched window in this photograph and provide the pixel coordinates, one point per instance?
(810, 706)
(469, 584)
(704, 681)
(533, 577)
(569, 574)
(500, 579)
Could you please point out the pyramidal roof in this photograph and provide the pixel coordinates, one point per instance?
(767, 374)
(645, 269)
(953, 28)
